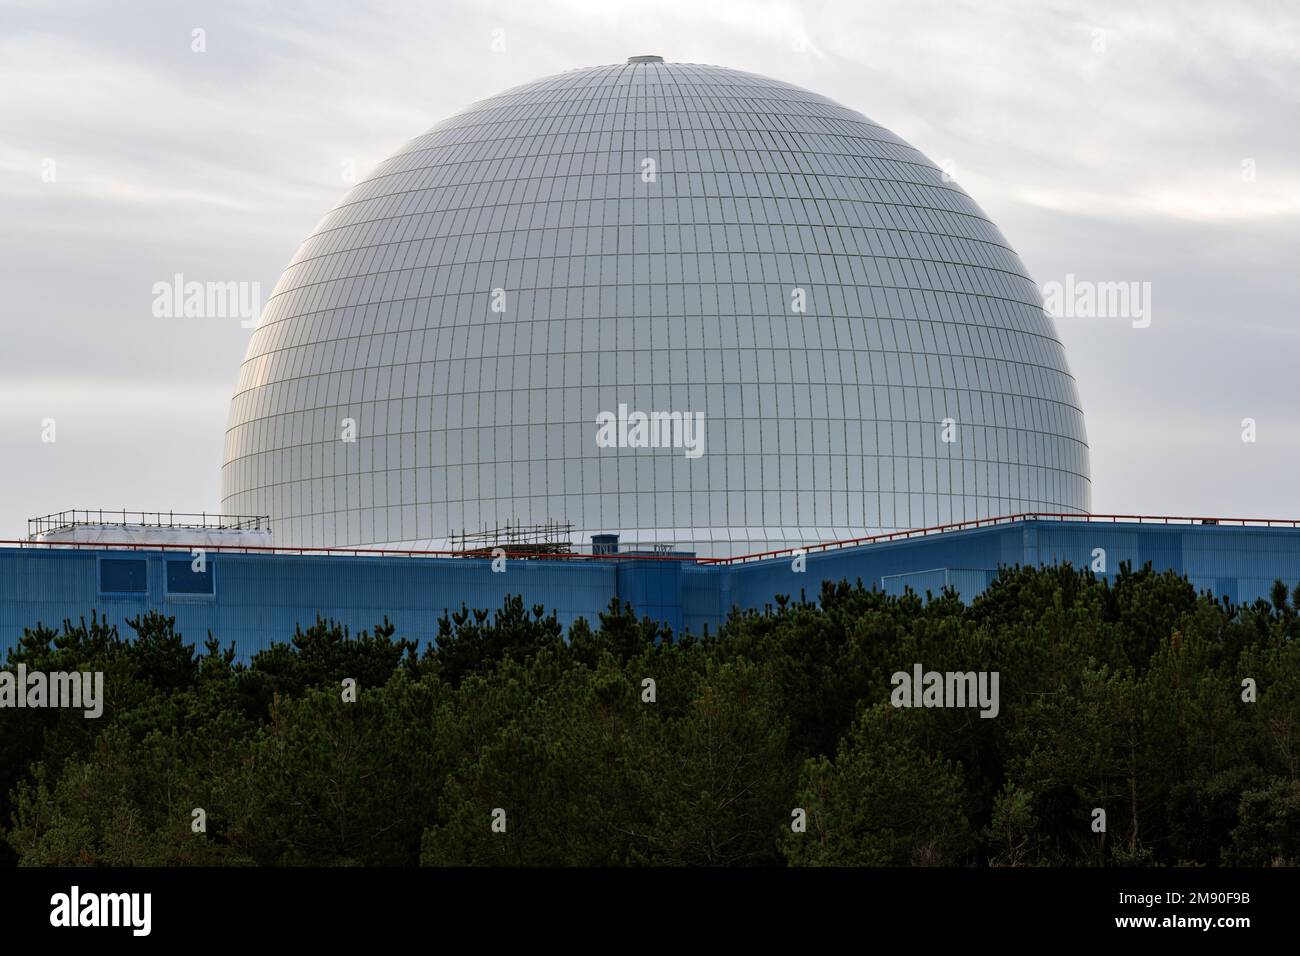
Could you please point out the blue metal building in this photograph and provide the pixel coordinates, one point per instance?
(256, 596)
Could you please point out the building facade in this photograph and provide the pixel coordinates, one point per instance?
(252, 597)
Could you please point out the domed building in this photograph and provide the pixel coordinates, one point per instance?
(684, 304)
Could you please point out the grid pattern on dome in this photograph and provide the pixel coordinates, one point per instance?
(674, 295)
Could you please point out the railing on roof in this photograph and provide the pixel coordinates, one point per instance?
(885, 537)
(551, 537)
(76, 517)
(881, 538)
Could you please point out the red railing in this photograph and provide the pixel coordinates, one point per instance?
(1002, 519)
(883, 537)
(351, 552)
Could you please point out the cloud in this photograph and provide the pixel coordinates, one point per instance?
(1106, 138)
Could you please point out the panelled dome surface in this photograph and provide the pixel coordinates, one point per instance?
(436, 356)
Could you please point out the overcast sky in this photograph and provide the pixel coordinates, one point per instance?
(1110, 141)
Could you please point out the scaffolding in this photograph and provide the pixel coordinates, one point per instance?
(100, 518)
(517, 540)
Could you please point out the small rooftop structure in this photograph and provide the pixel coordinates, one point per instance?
(78, 526)
(518, 540)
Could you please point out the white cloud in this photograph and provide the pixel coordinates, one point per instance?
(1123, 163)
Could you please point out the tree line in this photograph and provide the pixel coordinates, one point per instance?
(771, 741)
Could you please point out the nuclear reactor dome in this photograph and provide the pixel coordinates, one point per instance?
(679, 303)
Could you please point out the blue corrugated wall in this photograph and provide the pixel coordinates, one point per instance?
(260, 598)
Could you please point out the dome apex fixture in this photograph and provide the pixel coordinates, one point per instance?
(692, 306)
(650, 58)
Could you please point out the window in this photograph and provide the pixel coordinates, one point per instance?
(183, 579)
(123, 576)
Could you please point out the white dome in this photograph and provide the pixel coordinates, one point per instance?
(639, 237)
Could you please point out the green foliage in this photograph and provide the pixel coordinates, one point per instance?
(1269, 831)
(1123, 695)
(885, 800)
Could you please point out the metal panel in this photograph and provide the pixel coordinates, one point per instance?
(260, 598)
(436, 355)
